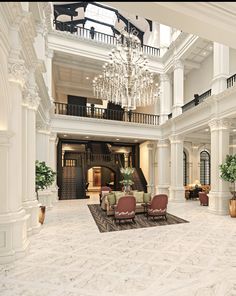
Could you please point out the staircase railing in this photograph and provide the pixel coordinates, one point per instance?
(142, 178)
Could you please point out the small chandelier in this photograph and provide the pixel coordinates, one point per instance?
(126, 79)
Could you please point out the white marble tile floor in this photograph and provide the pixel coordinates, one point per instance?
(70, 257)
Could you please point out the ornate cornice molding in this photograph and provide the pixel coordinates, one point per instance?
(17, 71)
(31, 98)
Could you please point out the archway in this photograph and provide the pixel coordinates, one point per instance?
(98, 176)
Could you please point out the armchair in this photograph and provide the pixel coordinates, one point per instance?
(158, 206)
(204, 199)
(125, 208)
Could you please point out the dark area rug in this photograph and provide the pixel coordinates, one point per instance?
(106, 223)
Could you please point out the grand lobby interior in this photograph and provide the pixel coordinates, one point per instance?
(94, 88)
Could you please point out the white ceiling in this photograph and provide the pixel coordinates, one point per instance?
(100, 138)
(74, 74)
(214, 21)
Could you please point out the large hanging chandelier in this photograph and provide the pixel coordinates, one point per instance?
(126, 79)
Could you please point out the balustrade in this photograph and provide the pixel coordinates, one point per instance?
(108, 114)
(231, 81)
(98, 36)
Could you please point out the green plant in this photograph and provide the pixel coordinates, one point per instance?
(228, 170)
(127, 175)
(45, 176)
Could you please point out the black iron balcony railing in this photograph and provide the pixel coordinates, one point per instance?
(102, 113)
(98, 36)
(231, 81)
(197, 100)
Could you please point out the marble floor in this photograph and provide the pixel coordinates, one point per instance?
(70, 257)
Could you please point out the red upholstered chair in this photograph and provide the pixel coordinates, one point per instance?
(204, 199)
(125, 208)
(158, 206)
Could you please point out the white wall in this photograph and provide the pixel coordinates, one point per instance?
(150, 109)
(232, 61)
(144, 160)
(198, 81)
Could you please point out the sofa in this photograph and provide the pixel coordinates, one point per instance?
(109, 200)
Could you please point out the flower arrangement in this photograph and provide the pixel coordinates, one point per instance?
(44, 176)
(127, 175)
(228, 170)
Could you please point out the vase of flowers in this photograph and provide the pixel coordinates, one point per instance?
(228, 173)
(127, 179)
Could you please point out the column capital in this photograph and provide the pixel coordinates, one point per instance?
(163, 143)
(164, 77)
(53, 137)
(50, 53)
(5, 137)
(175, 139)
(43, 127)
(178, 64)
(17, 71)
(220, 124)
(150, 146)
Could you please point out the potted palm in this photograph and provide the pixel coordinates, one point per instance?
(43, 179)
(127, 178)
(228, 173)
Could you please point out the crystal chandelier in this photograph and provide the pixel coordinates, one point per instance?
(126, 79)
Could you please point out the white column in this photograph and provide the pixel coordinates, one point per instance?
(165, 97)
(13, 219)
(163, 156)
(176, 184)
(53, 140)
(150, 168)
(42, 154)
(49, 56)
(220, 67)
(219, 194)
(30, 202)
(195, 160)
(178, 88)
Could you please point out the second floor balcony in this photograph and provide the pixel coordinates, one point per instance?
(107, 114)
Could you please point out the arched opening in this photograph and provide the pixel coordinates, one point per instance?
(205, 168)
(100, 176)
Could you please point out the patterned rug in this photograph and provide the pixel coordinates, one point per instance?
(106, 224)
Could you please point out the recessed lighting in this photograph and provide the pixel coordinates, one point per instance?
(207, 130)
(135, 140)
(234, 130)
(117, 139)
(87, 78)
(87, 137)
(204, 53)
(64, 135)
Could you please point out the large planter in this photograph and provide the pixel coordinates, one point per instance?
(42, 214)
(232, 208)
